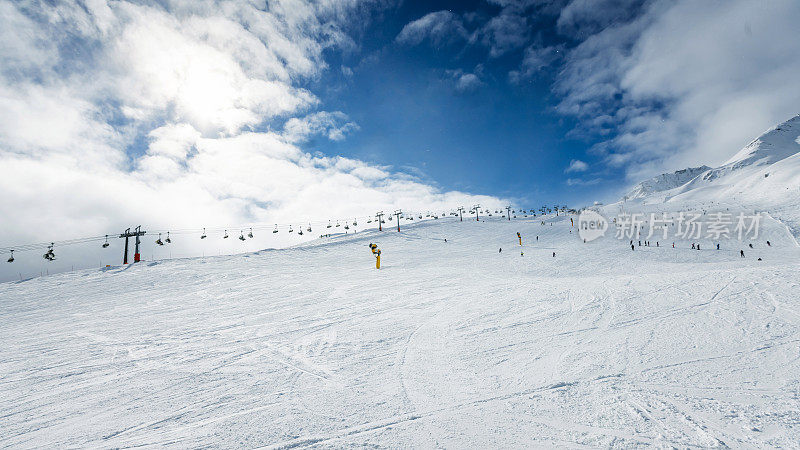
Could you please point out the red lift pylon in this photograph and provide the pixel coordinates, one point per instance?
(128, 234)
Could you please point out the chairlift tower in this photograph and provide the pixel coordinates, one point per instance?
(128, 234)
(508, 212)
(380, 215)
(461, 213)
(476, 207)
(398, 213)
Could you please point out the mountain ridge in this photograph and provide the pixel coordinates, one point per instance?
(764, 175)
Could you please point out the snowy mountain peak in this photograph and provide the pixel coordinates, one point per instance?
(764, 176)
(665, 182)
(775, 144)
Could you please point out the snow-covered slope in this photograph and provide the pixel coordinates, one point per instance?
(764, 175)
(664, 182)
(775, 144)
(451, 344)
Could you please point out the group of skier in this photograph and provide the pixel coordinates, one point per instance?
(695, 246)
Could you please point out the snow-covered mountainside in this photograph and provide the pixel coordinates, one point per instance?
(764, 175)
(555, 343)
(775, 144)
(664, 182)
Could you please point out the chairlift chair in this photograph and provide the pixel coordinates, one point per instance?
(337, 224)
(49, 255)
(11, 259)
(346, 227)
(203, 236)
(250, 234)
(226, 235)
(276, 228)
(309, 228)
(105, 244)
(290, 229)
(300, 231)
(329, 224)
(241, 236)
(159, 242)
(168, 240)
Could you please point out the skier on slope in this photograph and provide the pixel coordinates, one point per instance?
(741, 253)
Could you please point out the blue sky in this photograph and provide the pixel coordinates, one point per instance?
(183, 114)
(497, 137)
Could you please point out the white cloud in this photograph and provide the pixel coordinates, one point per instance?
(334, 125)
(503, 33)
(576, 165)
(582, 18)
(468, 82)
(465, 81)
(582, 182)
(440, 27)
(684, 83)
(535, 59)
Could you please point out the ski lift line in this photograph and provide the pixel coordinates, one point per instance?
(261, 226)
(266, 226)
(45, 245)
(254, 226)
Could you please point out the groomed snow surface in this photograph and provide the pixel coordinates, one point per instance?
(451, 344)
